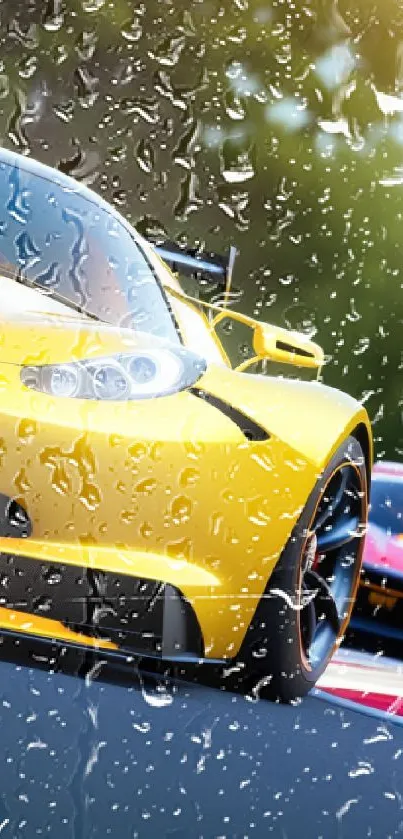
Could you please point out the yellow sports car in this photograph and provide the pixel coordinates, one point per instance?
(153, 499)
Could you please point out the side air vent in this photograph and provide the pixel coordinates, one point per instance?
(282, 345)
(251, 430)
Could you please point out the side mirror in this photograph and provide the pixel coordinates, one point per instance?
(269, 342)
(286, 346)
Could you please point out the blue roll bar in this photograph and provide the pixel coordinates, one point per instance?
(200, 265)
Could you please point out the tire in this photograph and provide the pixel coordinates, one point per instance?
(295, 631)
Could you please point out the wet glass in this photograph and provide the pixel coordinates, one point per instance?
(276, 127)
(77, 252)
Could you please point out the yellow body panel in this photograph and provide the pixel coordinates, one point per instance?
(140, 507)
(166, 489)
(20, 622)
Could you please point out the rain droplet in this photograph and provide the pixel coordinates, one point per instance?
(21, 482)
(128, 516)
(90, 496)
(27, 67)
(363, 768)
(53, 17)
(353, 315)
(155, 694)
(188, 201)
(180, 549)
(4, 86)
(169, 50)
(15, 130)
(188, 477)
(234, 106)
(180, 509)
(137, 451)
(361, 346)
(26, 430)
(194, 450)
(216, 522)
(145, 156)
(147, 486)
(64, 110)
(147, 109)
(91, 6)
(86, 87)
(237, 163)
(42, 604)
(53, 576)
(146, 530)
(132, 30)
(86, 45)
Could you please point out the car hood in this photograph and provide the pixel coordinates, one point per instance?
(36, 329)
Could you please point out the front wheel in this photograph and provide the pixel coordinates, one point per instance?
(310, 595)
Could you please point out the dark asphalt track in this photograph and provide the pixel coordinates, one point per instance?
(113, 755)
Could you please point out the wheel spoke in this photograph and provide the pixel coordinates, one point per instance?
(309, 623)
(334, 503)
(329, 562)
(342, 532)
(324, 601)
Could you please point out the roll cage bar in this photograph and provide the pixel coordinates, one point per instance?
(203, 267)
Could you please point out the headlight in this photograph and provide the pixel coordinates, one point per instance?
(137, 375)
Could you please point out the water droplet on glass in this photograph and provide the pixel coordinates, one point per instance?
(42, 604)
(216, 522)
(132, 30)
(237, 161)
(145, 156)
(90, 496)
(168, 51)
(188, 477)
(155, 693)
(53, 17)
(137, 451)
(26, 430)
(146, 530)
(4, 86)
(234, 107)
(181, 509)
(27, 67)
(91, 6)
(21, 482)
(86, 45)
(146, 487)
(128, 516)
(53, 576)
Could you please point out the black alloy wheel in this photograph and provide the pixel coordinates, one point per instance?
(310, 595)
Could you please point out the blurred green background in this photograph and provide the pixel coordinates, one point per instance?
(274, 126)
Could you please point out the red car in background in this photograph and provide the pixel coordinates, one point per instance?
(379, 608)
(358, 678)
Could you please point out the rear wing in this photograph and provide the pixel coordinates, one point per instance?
(204, 267)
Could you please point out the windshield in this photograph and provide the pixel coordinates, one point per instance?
(70, 247)
(387, 505)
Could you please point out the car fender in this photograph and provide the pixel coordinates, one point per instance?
(310, 417)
